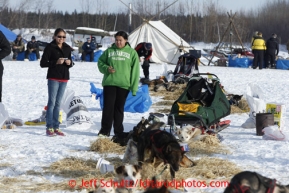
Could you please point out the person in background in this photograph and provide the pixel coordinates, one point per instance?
(57, 58)
(80, 44)
(93, 40)
(119, 65)
(5, 50)
(258, 48)
(272, 50)
(144, 51)
(88, 48)
(17, 46)
(32, 46)
(254, 36)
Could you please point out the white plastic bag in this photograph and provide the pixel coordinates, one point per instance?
(255, 99)
(67, 97)
(274, 133)
(76, 111)
(3, 114)
(249, 123)
(164, 69)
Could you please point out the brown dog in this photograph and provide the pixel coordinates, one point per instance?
(162, 145)
(186, 162)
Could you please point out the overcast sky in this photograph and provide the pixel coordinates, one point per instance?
(71, 5)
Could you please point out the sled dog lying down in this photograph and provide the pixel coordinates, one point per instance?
(247, 182)
(188, 133)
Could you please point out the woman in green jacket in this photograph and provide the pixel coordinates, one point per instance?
(119, 65)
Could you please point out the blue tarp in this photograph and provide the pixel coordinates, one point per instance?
(11, 36)
(97, 54)
(282, 64)
(239, 62)
(134, 104)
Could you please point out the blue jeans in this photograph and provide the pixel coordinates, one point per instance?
(55, 93)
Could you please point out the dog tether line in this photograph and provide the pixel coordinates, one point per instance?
(161, 173)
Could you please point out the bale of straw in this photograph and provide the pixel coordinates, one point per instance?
(105, 145)
(215, 168)
(205, 169)
(209, 145)
(211, 140)
(21, 184)
(243, 104)
(235, 109)
(164, 103)
(72, 167)
(73, 163)
(168, 95)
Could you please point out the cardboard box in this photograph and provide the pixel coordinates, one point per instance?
(278, 110)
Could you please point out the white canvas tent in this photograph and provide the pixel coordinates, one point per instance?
(166, 43)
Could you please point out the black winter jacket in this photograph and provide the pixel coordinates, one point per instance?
(49, 58)
(32, 45)
(5, 48)
(272, 46)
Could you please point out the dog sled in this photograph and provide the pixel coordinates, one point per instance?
(202, 104)
(184, 67)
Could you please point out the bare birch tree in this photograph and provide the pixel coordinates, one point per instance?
(3, 5)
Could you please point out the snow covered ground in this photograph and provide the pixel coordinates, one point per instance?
(27, 148)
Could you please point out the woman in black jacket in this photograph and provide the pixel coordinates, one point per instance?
(5, 50)
(57, 58)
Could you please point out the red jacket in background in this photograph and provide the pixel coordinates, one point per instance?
(141, 51)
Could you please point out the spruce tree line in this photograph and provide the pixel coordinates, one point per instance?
(189, 21)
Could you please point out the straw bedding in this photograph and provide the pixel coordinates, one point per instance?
(105, 145)
(205, 168)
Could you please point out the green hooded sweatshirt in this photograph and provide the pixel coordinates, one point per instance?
(125, 61)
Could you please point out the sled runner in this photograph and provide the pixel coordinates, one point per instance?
(216, 128)
(35, 122)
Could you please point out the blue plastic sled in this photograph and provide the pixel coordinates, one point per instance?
(31, 56)
(282, 64)
(97, 54)
(134, 104)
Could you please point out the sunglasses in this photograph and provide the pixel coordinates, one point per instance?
(61, 37)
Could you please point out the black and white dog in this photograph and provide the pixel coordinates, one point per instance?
(234, 99)
(126, 181)
(252, 182)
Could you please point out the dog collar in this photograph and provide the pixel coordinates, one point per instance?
(241, 189)
(271, 186)
(244, 189)
(160, 149)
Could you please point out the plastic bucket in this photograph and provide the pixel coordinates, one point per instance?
(104, 166)
(263, 120)
(170, 77)
(184, 147)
